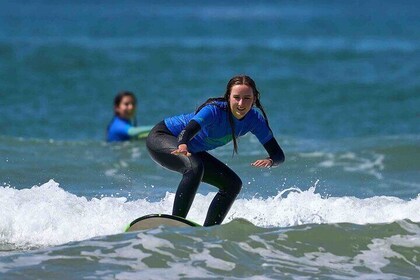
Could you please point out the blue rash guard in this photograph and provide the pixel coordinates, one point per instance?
(215, 127)
(118, 130)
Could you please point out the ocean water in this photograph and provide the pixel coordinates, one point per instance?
(340, 84)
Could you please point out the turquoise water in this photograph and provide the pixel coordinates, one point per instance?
(339, 82)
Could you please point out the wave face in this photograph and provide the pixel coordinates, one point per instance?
(293, 234)
(48, 215)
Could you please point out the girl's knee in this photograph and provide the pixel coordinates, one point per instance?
(195, 166)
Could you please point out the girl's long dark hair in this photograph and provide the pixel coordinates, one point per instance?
(237, 80)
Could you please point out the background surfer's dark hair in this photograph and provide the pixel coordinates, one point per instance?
(237, 80)
(118, 98)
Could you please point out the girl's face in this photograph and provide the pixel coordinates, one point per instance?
(127, 108)
(241, 100)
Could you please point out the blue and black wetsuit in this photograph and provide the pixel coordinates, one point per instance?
(203, 131)
(120, 129)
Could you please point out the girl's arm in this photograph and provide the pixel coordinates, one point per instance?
(185, 136)
(276, 155)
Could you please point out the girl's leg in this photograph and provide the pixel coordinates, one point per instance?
(160, 143)
(218, 174)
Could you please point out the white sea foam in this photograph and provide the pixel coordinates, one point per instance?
(48, 215)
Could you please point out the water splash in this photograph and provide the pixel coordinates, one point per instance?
(48, 215)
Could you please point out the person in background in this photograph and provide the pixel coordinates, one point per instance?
(181, 144)
(123, 126)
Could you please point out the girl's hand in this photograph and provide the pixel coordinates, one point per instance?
(263, 163)
(182, 150)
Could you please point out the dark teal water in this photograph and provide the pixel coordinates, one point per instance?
(339, 81)
(324, 69)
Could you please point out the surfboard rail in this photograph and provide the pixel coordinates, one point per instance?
(155, 220)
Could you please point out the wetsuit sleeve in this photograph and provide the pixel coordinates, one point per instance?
(274, 151)
(203, 118)
(188, 133)
(261, 129)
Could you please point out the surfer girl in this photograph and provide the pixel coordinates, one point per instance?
(123, 125)
(180, 143)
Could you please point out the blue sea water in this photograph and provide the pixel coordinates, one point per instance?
(339, 81)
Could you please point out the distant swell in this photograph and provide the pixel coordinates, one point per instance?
(310, 44)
